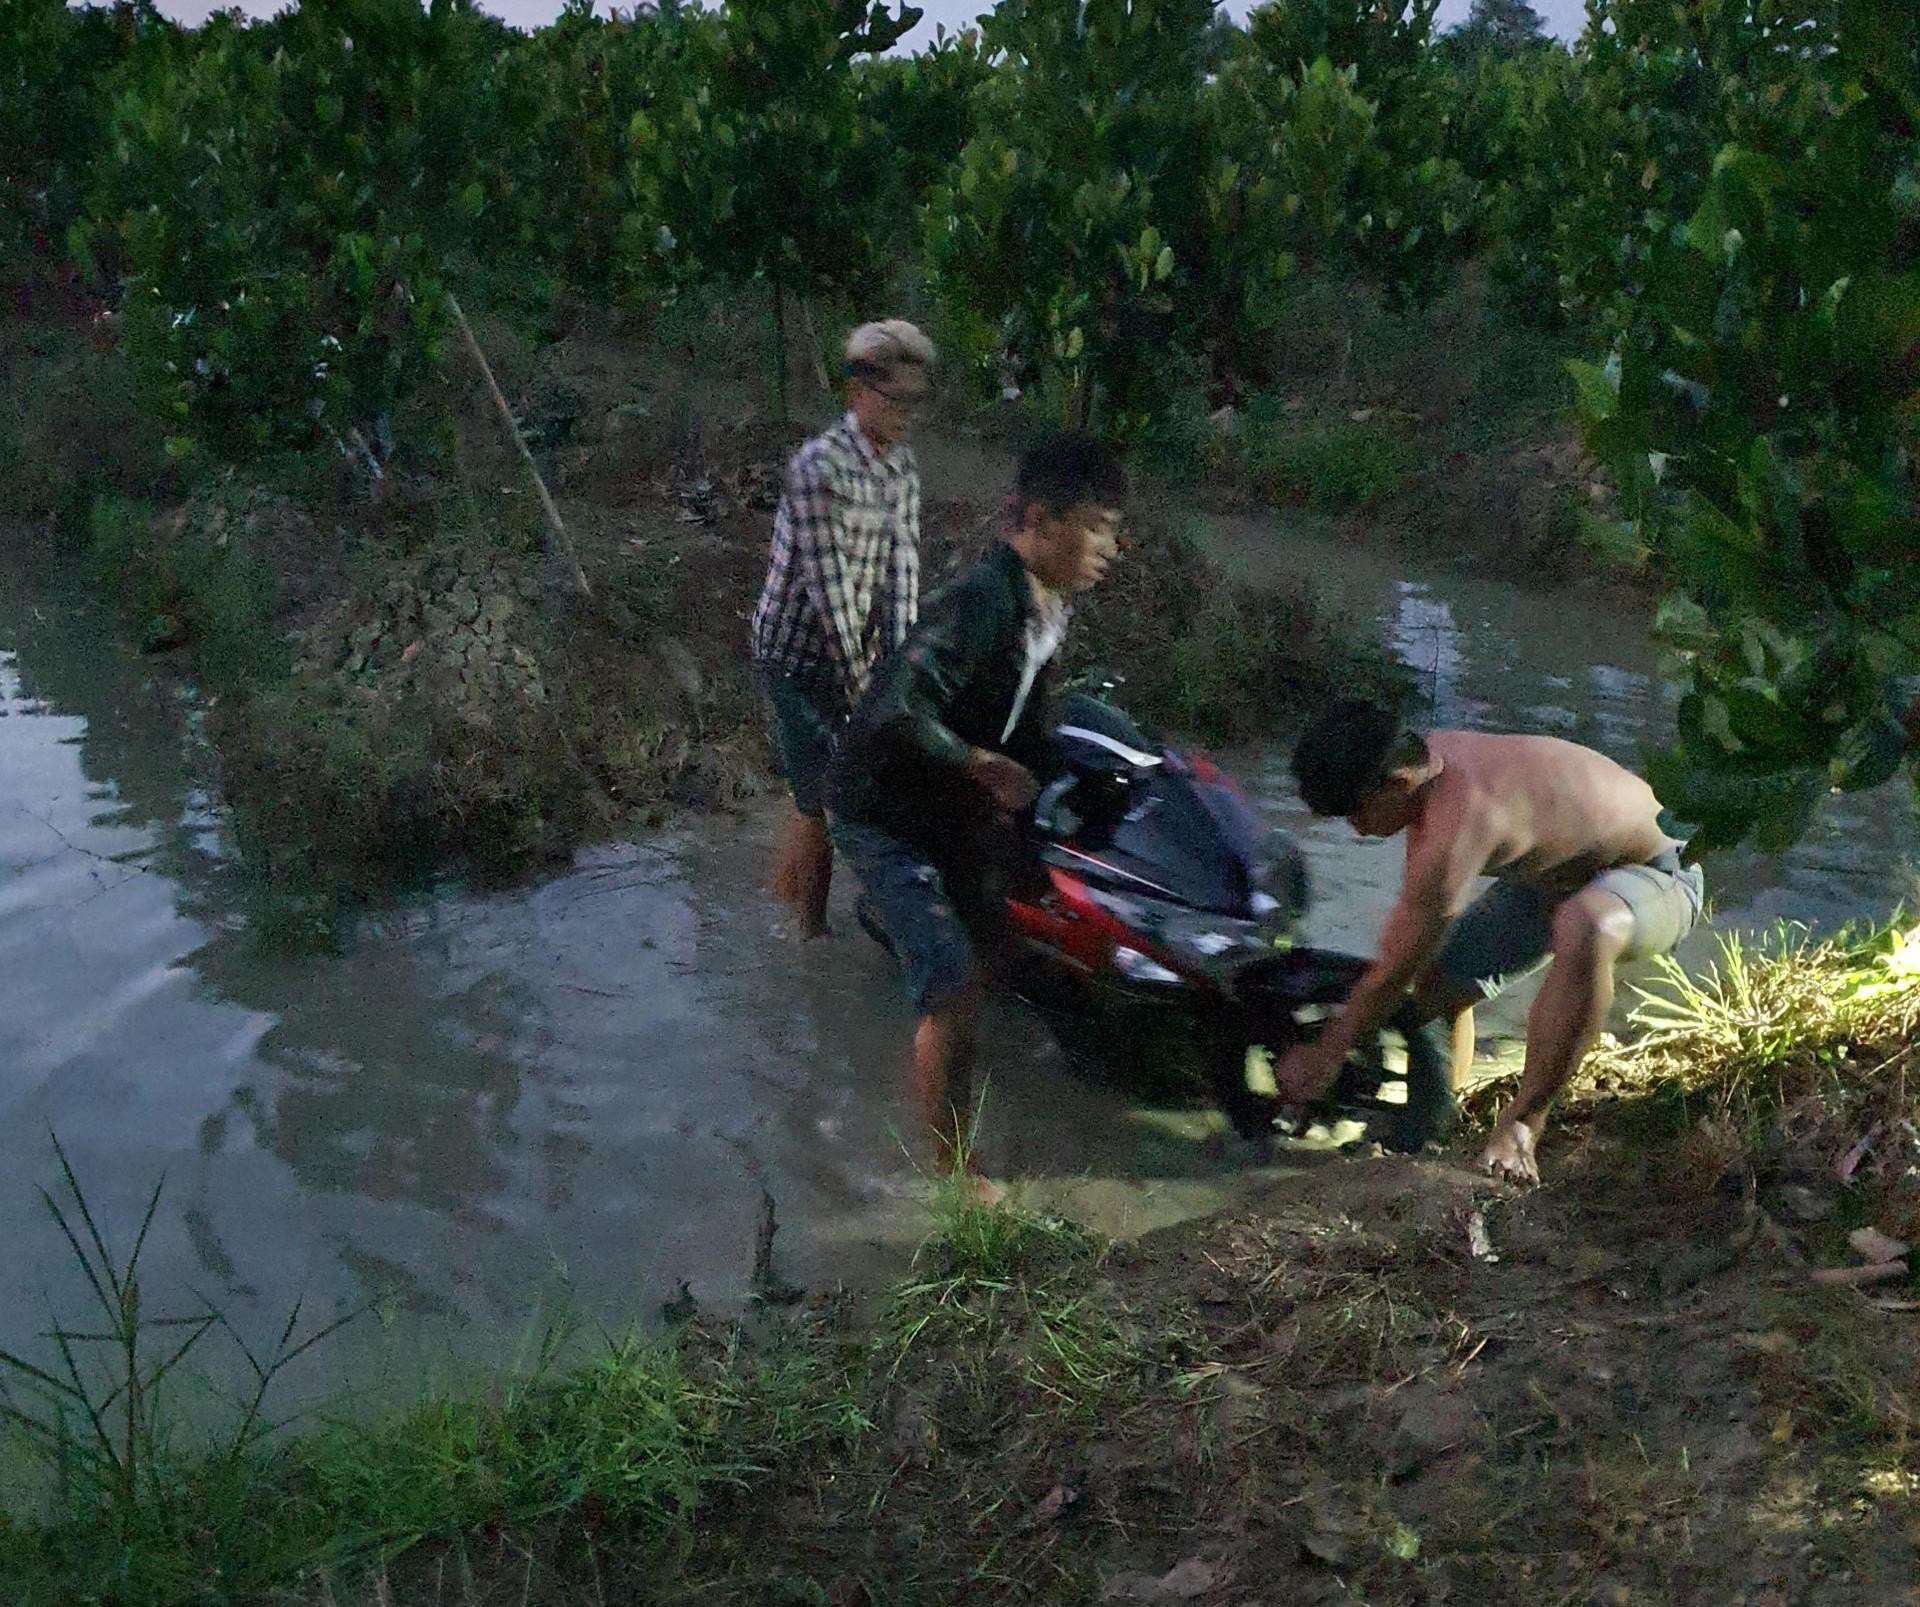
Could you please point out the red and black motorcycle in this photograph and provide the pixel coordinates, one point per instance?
(1153, 921)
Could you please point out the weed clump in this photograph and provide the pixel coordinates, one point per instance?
(1219, 661)
(1799, 1049)
(1331, 466)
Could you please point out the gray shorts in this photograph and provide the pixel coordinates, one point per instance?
(1508, 930)
(804, 732)
(938, 915)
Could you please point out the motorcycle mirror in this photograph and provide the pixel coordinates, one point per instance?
(1051, 816)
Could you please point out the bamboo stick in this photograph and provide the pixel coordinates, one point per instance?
(555, 527)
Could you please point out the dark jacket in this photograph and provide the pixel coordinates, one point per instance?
(946, 690)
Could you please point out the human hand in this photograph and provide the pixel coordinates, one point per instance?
(1509, 1154)
(1302, 1075)
(1008, 782)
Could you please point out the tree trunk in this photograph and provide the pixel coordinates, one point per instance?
(779, 353)
(815, 351)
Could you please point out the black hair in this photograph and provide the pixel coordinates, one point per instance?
(1062, 472)
(1348, 751)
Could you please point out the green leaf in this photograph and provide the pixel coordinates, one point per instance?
(1680, 622)
(80, 247)
(1761, 725)
(1618, 543)
(1787, 814)
(1716, 722)
(1597, 389)
(1723, 807)
(1870, 754)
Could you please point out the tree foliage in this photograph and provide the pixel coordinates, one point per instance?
(1760, 400)
(760, 163)
(1330, 115)
(1055, 244)
(1503, 25)
(280, 200)
(922, 108)
(1720, 198)
(55, 66)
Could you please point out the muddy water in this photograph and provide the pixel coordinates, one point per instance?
(575, 1092)
(579, 1091)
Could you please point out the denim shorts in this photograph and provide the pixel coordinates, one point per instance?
(937, 918)
(1508, 931)
(804, 730)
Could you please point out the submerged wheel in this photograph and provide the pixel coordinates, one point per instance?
(1306, 990)
(1430, 1108)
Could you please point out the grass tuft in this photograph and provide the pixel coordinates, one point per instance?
(1777, 1018)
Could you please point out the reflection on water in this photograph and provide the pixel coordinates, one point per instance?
(591, 1081)
(587, 1082)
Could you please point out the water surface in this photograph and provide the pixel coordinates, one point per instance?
(580, 1089)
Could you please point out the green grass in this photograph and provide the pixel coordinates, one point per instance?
(182, 580)
(1328, 465)
(626, 1441)
(1213, 660)
(635, 1440)
(71, 427)
(1783, 1017)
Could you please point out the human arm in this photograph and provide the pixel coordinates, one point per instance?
(1413, 934)
(1444, 855)
(955, 639)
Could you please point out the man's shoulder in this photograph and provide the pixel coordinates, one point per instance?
(1506, 762)
(1464, 801)
(980, 581)
(830, 452)
(1505, 743)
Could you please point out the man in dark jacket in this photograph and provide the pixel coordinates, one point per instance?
(942, 748)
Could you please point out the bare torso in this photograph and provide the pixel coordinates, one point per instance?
(1536, 810)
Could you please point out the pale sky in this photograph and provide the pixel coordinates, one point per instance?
(1563, 17)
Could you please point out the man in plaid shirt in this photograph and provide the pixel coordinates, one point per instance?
(843, 587)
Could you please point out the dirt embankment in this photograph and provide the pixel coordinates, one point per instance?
(1386, 1380)
(400, 679)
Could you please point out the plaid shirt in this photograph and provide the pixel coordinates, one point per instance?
(844, 585)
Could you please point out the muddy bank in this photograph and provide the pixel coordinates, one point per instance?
(401, 683)
(1381, 1380)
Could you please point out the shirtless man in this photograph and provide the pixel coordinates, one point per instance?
(1582, 871)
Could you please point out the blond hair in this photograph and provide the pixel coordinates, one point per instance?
(875, 350)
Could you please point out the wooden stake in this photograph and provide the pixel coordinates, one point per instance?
(555, 527)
